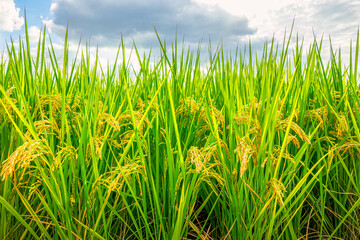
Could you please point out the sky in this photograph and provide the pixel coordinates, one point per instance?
(233, 23)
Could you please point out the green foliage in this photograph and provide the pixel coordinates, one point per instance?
(264, 148)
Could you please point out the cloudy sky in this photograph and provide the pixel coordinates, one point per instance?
(229, 21)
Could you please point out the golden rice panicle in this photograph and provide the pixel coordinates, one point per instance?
(275, 188)
(146, 122)
(202, 131)
(54, 101)
(186, 106)
(319, 114)
(214, 112)
(95, 144)
(114, 180)
(266, 160)
(294, 140)
(125, 119)
(211, 151)
(215, 151)
(255, 127)
(218, 115)
(11, 90)
(98, 144)
(208, 179)
(195, 156)
(336, 96)
(74, 101)
(8, 107)
(203, 166)
(283, 124)
(241, 119)
(300, 132)
(140, 105)
(351, 147)
(274, 156)
(254, 105)
(45, 127)
(224, 147)
(124, 139)
(341, 126)
(235, 174)
(66, 153)
(206, 169)
(22, 157)
(110, 120)
(205, 122)
(34, 188)
(244, 152)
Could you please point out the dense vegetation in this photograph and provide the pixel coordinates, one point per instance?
(262, 147)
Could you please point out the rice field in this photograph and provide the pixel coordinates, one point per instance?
(262, 146)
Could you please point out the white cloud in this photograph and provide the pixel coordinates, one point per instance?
(103, 22)
(10, 19)
(53, 6)
(34, 33)
(338, 19)
(273, 16)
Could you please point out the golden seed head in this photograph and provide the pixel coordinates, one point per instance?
(109, 119)
(283, 124)
(244, 152)
(22, 157)
(277, 189)
(195, 156)
(114, 180)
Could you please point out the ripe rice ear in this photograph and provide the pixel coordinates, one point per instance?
(22, 157)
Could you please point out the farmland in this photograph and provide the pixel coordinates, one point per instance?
(259, 146)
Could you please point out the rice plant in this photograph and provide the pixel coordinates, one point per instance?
(254, 147)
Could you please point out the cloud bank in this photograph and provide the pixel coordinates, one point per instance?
(9, 16)
(104, 22)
